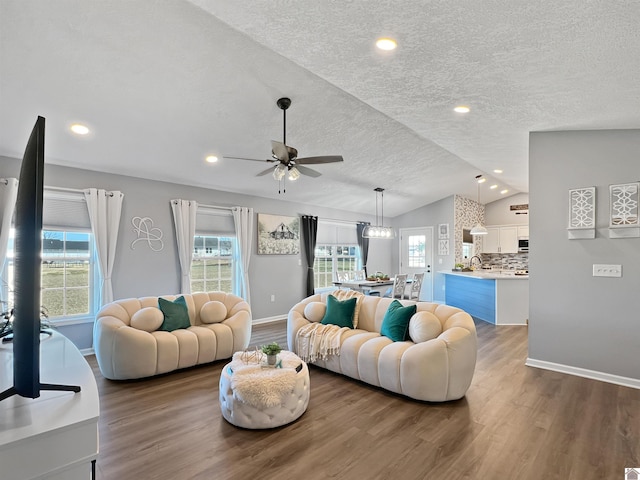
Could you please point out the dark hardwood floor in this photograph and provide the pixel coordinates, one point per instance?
(515, 422)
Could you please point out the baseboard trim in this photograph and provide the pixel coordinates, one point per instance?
(277, 318)
(583, 372)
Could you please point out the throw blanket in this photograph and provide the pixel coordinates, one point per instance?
(316, 340)
(263, 387)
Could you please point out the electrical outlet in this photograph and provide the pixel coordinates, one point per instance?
(273, 298)
(601, 270)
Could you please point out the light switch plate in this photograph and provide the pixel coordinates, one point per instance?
(601, 270)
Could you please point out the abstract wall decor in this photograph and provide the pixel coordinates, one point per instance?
(582, 213)
(624, 200)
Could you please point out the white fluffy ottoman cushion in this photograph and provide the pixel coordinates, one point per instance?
(253, 397)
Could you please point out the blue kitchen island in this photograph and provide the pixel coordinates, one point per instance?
(498, 298)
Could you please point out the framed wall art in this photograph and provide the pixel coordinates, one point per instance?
(278, 235)
(443, 230)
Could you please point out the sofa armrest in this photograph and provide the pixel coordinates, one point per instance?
(123, 351)
(240, 324)
(296, 319)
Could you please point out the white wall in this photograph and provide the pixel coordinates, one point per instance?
(142, 272)
(500, 213)
(577, 320)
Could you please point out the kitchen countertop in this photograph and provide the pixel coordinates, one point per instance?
(488, 275)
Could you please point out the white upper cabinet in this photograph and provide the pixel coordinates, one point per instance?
(523, 231)
(501, 239)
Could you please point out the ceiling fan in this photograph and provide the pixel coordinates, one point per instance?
(286, 157)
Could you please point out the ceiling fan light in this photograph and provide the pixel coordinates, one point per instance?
(294, 174)
(279, 172)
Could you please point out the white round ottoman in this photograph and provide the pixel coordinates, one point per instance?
(254, 397)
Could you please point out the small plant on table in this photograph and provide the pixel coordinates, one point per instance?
(271, 350)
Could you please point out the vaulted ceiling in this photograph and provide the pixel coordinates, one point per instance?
(162, 84)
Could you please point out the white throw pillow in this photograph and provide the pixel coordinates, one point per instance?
(213, 312)
(424, 326)
(148, 319)
(314, 311)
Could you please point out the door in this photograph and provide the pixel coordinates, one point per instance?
(416, 256)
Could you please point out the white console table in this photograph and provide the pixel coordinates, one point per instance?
(54, 436)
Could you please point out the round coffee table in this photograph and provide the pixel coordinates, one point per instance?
(264, 397)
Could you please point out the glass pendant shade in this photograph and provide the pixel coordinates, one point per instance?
(294, 173)
(379, 230)
(279, 172)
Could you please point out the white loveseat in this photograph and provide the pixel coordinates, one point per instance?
(436, 364)
(128, 343)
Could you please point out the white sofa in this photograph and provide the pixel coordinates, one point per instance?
(436, 364)
(128, 344)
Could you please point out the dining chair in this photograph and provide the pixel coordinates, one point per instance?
(342, 276)
(416, 286)
(399, 284)
(359, 275)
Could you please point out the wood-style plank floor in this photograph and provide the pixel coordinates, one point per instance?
(515, 422)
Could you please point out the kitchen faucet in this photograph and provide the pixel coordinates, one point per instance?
(477, 257)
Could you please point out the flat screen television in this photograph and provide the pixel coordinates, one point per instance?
(27, 268)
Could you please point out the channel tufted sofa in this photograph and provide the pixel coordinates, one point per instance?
(128, 343)
(436, 364)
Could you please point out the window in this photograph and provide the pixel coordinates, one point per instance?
(212, 266)
(67, 274)
(331, 259)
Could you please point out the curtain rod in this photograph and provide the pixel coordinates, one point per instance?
(334, 220)
(215, 206)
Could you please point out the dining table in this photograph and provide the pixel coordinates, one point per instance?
(367, 286)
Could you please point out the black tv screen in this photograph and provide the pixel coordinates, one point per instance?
(27, 265)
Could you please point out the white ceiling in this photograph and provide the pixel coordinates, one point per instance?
(164, 83)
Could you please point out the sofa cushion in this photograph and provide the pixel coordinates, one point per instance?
(176, 314)
(344, 295)
(148, 319)
(314, 311)
(339, 312)
(395, 324)
(213, 312)
(424, 326)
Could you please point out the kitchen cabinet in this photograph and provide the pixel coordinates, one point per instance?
(501, 240)
(523, 231)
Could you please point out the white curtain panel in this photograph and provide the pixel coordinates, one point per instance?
(8, 194)
(243, 219)
(184, 219)
(105, 209)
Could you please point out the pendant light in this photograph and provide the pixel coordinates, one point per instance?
(479, 229)
(379, 230)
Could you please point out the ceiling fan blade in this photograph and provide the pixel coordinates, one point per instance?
(316, 160)
(308, 171)
(250, 159)
(265, 172)
(280, 150)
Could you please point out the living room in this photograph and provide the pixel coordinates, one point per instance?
(580, 326)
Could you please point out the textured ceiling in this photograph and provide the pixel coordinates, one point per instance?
(164, 83)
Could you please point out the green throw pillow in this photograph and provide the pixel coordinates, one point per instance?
(339, 312)
(176, 314)
(395, 324)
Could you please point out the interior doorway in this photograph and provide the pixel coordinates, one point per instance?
(416, 256)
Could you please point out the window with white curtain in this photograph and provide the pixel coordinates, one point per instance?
(69, 272)
(336, 251)
(214, 251)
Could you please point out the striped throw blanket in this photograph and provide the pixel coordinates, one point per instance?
(316, 340)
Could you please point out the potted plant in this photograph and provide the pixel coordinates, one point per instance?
(458, 267)
(271, 351)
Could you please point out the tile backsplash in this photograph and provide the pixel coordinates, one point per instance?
(506, 261)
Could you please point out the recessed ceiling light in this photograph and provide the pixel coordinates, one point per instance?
(79, 129)
(482, 180)
(497, 170)
(461, 109)
(502, 192)
(386, 44)
(493, 187)
(211, 159)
